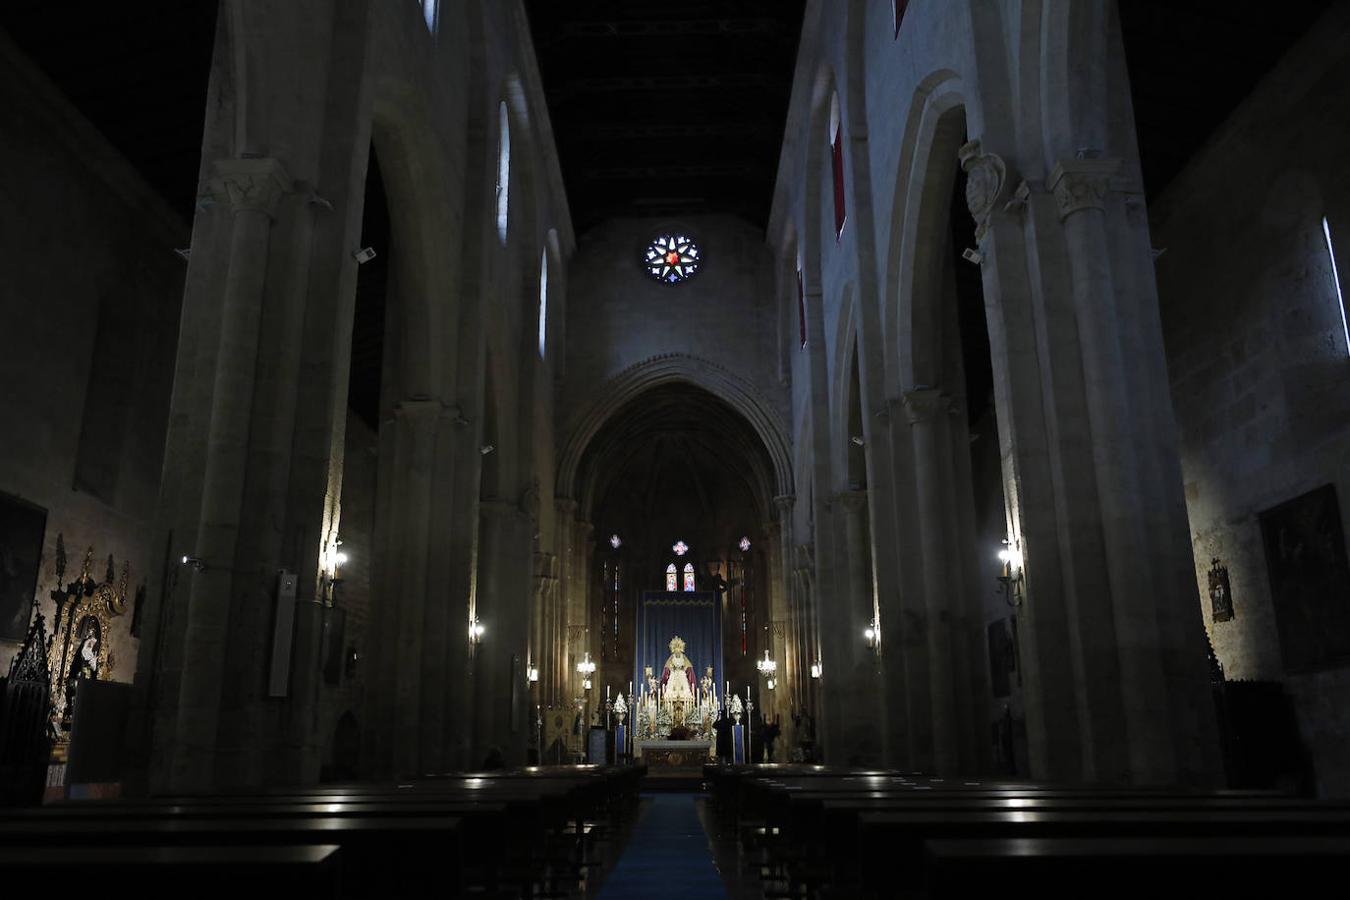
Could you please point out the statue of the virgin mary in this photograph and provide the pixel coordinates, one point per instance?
(677, 677)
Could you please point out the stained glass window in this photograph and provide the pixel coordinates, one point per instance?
(801, 306)
(837, 166)
(680, 548)
(671, 258)
(898, 13)
(670, 578)
(745, 544)
(503, 169)
(688, 576)
(543, 304)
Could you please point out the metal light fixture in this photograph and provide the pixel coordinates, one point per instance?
(587, 665)
(532, 674)
(815, 670)
(767, 666)
(1011, 578)
(476, 630)
(771, 683)
(870, 634)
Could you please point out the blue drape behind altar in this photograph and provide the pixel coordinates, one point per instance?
(695, 616)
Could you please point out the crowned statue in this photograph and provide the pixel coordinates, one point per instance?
(678, 703)
(677, 678)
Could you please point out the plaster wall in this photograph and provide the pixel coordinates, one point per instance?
(1257, 355)
(91, 292)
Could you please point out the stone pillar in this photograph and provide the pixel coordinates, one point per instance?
(1080, 188)
(500, 690)
(865, 722)
(254, 188)
(1043, 433)
(906, 647)
(407, 658)
(928, 411)
(795, 660)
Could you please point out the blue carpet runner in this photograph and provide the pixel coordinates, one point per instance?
(667, 857)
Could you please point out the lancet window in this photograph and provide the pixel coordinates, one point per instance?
(671, 578)
(689, 577)
(837, 166)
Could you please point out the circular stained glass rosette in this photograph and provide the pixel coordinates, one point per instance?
(671, 258)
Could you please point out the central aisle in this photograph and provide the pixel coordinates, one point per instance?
(668, 855)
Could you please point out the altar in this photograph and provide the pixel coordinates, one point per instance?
(657, 753)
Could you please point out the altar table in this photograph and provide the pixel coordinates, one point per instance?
(674, 754)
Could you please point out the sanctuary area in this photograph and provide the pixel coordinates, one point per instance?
(730, 448)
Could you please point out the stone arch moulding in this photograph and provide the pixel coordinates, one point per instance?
(734, 390)
(935, 100)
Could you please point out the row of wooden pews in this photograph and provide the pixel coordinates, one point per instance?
(512, 833)
(826, 832)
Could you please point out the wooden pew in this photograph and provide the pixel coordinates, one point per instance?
(393, 856)
(1121, 868)
(172, 872)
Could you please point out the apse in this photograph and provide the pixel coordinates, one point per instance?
(678, 466)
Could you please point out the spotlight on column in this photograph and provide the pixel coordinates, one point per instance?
(486, 449)
(476, 630)
(857, 439)
(972, 255)
(364, 255)
(870, 634)
(815, 670)
(195, 562)
(532, 674)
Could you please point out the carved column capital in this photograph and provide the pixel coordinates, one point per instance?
(252, 185)
(785, 502)
(926, 404)
(566, 507)
(987, 179)
(1080, 184)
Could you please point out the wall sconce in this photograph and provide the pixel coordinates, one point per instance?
(771, 683)
(329, 577)
(476, 630)
(815, 670)
(871, 634)
(532, 674)
(1011, 579)
(767, 667)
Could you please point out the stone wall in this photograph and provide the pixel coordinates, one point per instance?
(91, 290)
(618, 316)
(1257, 353)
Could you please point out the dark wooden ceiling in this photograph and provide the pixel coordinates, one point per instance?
(654, 111)
(136, 70)
(663, 110)
(1192, 62)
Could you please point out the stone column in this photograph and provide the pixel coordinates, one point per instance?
(500, 690)
(1080, 188)
(865, 721)
(254, 188)
(794, 655)
(928, 411)
(1043, 434)
(407, 647)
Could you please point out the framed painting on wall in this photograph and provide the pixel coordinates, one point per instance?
(1309, 580)
(22, 525)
